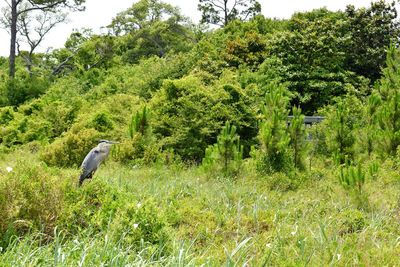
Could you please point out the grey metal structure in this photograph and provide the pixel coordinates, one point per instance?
(94, 158)
(309, 120)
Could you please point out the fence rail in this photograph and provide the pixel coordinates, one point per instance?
(309, 119)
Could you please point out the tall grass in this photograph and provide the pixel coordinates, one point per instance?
(216, 222)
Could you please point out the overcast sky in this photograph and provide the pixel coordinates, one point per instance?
(99, 13)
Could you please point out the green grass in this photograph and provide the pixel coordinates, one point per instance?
(214, 221)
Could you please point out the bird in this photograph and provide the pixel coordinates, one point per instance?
(94, 158)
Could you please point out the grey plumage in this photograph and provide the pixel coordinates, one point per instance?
(94, 158)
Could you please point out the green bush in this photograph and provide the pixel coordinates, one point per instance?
(20, 90)
(139, 149)
(352, 178)
(284, 182)
(298, 142)
(92, 206)
(6, 115)
(31, 199)
(351, 221)
(102, 122)
(141, 224)
(188, 114)
(70, 149)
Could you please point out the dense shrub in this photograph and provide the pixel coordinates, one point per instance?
(22, 89)
(186, 111)
(102, 122)
(6, 115)
(284, 182)
(31, 199)
(92, 206)
(141, 224)
(71, 148)
(351, 221)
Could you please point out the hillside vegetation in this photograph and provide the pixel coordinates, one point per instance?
(209, 170)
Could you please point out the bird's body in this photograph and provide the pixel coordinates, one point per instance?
(93, 159)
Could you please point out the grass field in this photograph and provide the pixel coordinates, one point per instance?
(194, 217)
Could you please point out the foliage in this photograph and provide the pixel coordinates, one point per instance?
(248, 73)
(19, 90)
(352, 221)
(389, 113)
(313, 52)
(31, 200)
(371, 30)
(101, 122)
(352, 178)
(274, 154)
(151, 27)
(222, 12)
(141, 224)
(70, 149)
(369, 133)
(227, 153)
(139, 123)
(188, 112)
(141, 147)
(92, 206)
(340, 138)
(297, 133)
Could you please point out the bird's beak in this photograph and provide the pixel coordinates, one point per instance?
(113, 142)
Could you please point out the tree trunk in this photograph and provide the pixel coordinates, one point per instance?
(13, 29)
(226, 12)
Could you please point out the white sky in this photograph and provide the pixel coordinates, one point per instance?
(99, 13)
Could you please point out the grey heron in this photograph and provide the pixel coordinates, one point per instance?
(94, 158)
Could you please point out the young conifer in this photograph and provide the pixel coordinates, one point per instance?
(389, 113)
(273, 137)
(341, 137)
(227, 153)
(297, 133)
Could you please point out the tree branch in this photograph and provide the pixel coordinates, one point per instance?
(60, 66)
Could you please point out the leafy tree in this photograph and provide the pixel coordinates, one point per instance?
(371, 30)
(227, 153)
(247, 51)
(18, 8)
(187, 116)
(312, 52)
(274, 140)
(151, 27)
(86, 55)
(221, 12)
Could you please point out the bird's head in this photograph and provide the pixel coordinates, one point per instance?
(108, 142)
(105, 145)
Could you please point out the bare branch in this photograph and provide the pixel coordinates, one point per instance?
(60, 66)
(7, 3)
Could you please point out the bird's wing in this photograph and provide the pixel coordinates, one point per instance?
(90, 162)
